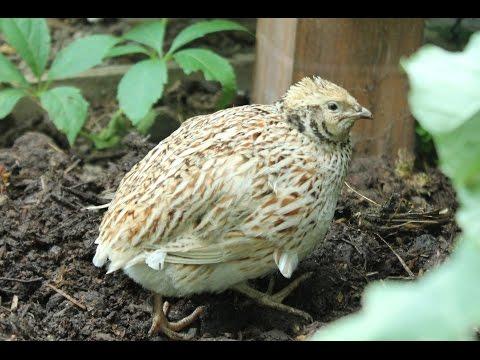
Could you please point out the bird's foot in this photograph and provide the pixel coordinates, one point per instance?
(275, 300)
(161, 324)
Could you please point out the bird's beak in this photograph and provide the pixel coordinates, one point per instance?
(364, 114)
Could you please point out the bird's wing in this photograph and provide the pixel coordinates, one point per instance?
(186, 201)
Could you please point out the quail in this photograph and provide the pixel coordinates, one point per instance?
(232, 196)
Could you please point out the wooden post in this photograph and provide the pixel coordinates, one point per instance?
(362, 55)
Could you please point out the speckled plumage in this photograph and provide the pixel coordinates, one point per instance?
(231, 196)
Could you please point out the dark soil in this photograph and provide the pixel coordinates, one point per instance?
(50, 289)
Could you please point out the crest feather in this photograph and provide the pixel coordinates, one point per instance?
(299, 93)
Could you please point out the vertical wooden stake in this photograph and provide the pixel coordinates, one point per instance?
(362, 55)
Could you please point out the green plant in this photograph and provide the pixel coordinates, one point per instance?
(65, 105)
(143, 84)
(443, 304)
(424, 142)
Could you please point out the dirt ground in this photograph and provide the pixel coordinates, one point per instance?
(394, 220)
(50, 290)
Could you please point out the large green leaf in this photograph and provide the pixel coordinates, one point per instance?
(8, 100)
(31, 39)
(9, 73)
(213, 66)
(442, 305)
(201, 29)
(460, 160)
(150, 33)
(442, 97)
(126, 50)
(67, 109)
(81, 55)
(141, 87)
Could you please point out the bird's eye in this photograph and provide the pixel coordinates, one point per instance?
(332, 106)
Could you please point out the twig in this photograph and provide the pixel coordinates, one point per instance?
(413, 224)
(407, 269)
(71, 167)
(68, 297)
(5, 308)
(56, 148)
(407, 221)
(431, 214)
(89, 197)
(105, 155)
(21, 280)
(400, 277)
(363, 196)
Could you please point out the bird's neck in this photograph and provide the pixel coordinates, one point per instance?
(305, 122)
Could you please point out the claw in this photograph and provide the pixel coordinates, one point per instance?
(161, 324)
(275, 300)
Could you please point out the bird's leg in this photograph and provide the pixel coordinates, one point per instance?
(279, 296)
(160, 322)
(275, 300)
(271, 285)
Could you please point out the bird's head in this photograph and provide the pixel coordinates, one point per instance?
(322, 109)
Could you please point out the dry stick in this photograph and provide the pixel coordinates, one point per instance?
(5, 308)
(68, 297)
(91, 198)
(363, 196)
(407, 269)
(21, 280)
(412, 222)
(407, 221)
(71, 167)
(56, 148)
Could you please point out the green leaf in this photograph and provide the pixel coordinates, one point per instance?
(201, 29)
(146, 123)
(443, 305)
(100, 142)
(67, 109)
(31, 39)
(213, 66)
(150, 33)
(444, 88)
(460, 160)
(431, 97)
(110, 135)
(141, 87)
(10, 74)
(81, 55)
(469, 213)
(8, 100)
(126, 50)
